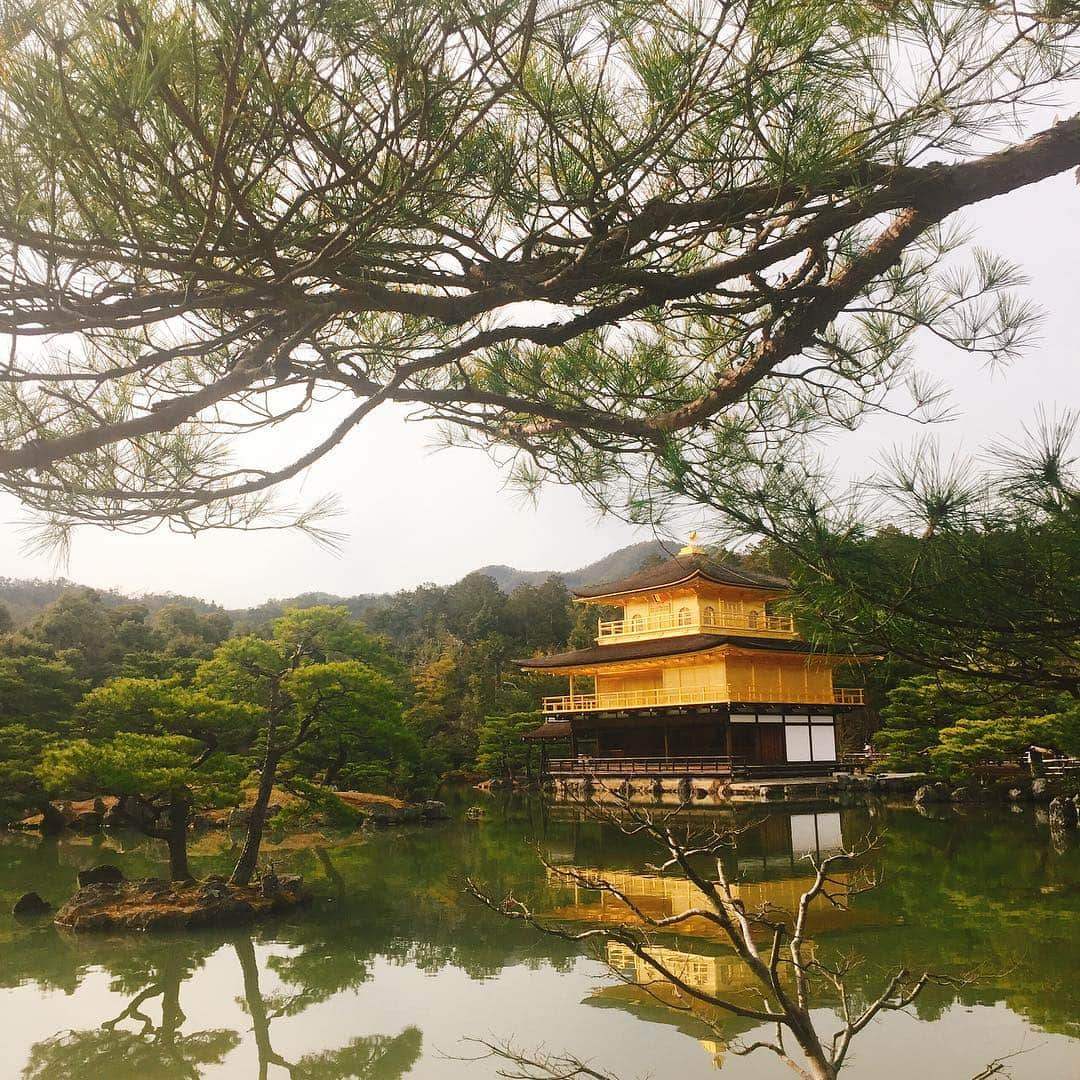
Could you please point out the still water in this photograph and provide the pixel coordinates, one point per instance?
(395, 968)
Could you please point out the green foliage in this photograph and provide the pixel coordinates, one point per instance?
(77, 628)
(38, 692)
(355, 726)
(391, 707)
(145, 766)
(316, 801)
(953, 724)
(152, 706)
(974, 572)
(503, 750)
(21, 751)
(969, 742)
(712, 191)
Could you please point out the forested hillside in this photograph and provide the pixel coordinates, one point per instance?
(25, 598)
(76, 663)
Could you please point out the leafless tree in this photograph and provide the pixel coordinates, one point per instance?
(784, 971)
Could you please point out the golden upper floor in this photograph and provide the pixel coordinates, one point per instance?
(691, 594)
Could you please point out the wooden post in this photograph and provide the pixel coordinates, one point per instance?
(667, 752)
(571, 691)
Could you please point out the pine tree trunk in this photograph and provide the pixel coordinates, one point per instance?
(249, 856)
(176, 838)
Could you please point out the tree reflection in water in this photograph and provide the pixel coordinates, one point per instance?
(393, 940)
(133, 1046)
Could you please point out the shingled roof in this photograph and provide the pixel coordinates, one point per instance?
(670, 646)
(678, 570)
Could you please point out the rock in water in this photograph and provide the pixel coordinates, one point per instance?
(31, 904)
(104, 874)
(435, 810)
(384, 814)
(175, 905)
(269, 883)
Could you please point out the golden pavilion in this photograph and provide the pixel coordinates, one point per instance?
(700, 675)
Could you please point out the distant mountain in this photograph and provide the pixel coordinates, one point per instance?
(618, 564)
(24, 599)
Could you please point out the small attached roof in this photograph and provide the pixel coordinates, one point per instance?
(550, 729)
(646, 650)
(684, 567)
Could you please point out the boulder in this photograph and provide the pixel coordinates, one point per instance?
(435, 810)
(103, 874)
(926, 794)
(1040, 789)
(213, 892)
(960, 794)
(942, 791)
(30, 904)
(1017, 794)
(384, 814)
(175, 905)
(269, 884)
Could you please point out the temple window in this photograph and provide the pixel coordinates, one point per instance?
(685, 617)
(708, 616)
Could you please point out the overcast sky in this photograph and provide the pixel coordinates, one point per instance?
(413, 514)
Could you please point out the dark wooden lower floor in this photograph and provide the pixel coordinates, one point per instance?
(719, 741)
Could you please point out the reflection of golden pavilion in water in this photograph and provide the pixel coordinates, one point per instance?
(698, 953)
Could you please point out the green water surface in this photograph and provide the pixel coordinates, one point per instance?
(394, 967)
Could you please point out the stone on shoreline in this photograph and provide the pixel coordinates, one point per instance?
(154, 904)
(31, 904)
(103, 874)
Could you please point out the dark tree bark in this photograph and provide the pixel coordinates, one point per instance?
(178, 817)
(249, 855)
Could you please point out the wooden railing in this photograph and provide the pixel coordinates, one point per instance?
(709, 765)
(642, 627)
(635, 699)
(1061, 767)
(683, 695)
(861, 760)
(849, 696)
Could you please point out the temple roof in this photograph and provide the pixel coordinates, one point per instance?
(669, 646)
(550, 729)
(678, 570)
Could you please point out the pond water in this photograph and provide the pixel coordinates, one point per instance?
(394, 966)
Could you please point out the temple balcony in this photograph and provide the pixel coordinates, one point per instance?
(642, 628)
(686, 695)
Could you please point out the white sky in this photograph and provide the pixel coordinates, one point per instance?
(414, 515)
